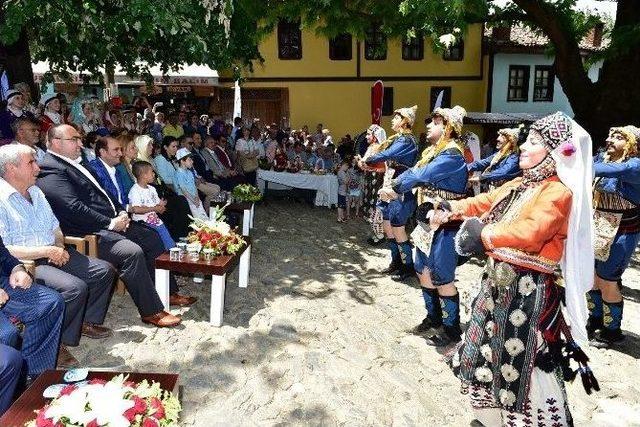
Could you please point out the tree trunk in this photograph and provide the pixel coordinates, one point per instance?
(615, 98)
(16, 60)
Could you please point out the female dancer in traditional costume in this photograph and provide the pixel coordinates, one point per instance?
(513, 358)
(440, 175)
(399, 152)
(501, 166)
(374, 180)
(616, 199)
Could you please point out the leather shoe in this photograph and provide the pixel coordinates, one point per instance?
(181, 300)
(90, 330)
(162, 319)
(66, 359)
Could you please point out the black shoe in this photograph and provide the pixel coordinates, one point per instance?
(393, 267)
(444, 337)
(374, 241)
(594, 324)
(427, 328)
(405, 272)
(475, 423)
(606, 338)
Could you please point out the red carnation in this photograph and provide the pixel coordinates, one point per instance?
(68, 390)
(93, 423)
(130, 384)
(42, 421)
(150, 422)
(139, 407)
(567, 149)
(97, 381)
(158, 407)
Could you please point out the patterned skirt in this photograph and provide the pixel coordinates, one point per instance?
(372, 183)
(514, 328)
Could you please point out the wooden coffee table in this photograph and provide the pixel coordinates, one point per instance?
(31, 400)
(217, 268)
(247, 209)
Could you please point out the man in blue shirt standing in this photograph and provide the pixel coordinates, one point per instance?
(31, 231)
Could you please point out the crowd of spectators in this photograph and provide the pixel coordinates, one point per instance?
(130, 175)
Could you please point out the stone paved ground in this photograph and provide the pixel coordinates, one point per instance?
(319, 338)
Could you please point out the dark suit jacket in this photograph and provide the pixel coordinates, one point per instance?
(7, 264)
(80, 207)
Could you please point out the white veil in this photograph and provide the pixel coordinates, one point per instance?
(577, 263)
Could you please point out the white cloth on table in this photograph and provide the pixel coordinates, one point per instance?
(325, 185)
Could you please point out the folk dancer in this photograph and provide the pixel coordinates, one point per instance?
(440, 175)
(501, 166)
(375, 136)
(616, 197)
(513, 358)
(399, 152)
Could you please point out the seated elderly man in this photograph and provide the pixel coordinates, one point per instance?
(26, 131)
(31, 232)
(83, 207)
(32, 310)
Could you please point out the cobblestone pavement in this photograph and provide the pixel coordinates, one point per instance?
(319, 338)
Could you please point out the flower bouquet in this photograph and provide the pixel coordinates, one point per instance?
(264, 164)
(114, 403)
(215, 235)
(246, 193)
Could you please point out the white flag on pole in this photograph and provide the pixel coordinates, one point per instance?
(237, 101)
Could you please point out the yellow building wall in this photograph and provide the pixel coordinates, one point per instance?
(333, 93)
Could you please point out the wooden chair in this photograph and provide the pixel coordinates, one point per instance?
(88, 245)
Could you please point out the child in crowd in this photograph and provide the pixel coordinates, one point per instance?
(185, 183)
(343, 179)
(355, 186)
(145, 203)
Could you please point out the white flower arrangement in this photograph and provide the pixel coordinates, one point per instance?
(447, 39)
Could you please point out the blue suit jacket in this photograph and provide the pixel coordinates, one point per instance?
(105, 181)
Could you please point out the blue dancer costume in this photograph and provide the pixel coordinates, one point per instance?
(399, 152)
(617, 221)
(502, 166)
(440, 175)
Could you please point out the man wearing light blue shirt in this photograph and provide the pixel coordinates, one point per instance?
(31, 232)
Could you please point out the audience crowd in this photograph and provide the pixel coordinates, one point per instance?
(129, 176)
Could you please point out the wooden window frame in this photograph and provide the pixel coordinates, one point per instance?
(537, 86)
(458, 47)
(413, 48)
(335, 47)
(524, 86)
(373, 42)
(284, 37)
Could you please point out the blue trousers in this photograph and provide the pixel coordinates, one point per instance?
(41, 310)
(619, 257)
(162, 231)
(10, 367)
(443, 259)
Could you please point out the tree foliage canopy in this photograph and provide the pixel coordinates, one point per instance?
(90, 35)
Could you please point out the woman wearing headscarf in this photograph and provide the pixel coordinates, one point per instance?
(440, 176)
(373, 181)
(399, 152)
(518, 343)
(501, 166)
(616, 197)
(52, 115)
(16, 108)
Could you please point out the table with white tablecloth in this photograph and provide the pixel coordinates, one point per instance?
(326, 186)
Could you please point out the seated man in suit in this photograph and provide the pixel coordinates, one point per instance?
(31, 232)
(220, 164)
(10, 367)
(38, 309)
(83, 207)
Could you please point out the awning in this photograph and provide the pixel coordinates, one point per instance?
(476, 118)
(192, 74)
